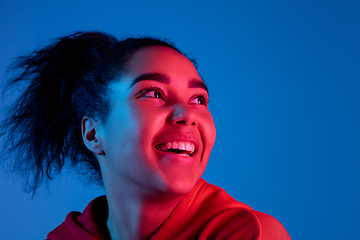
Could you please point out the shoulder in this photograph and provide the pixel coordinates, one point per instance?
(90, 224)
(270, 227)
(236, 219)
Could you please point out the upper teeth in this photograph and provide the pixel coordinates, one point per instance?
(189, 147)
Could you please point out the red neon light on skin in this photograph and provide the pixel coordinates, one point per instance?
(143, 185)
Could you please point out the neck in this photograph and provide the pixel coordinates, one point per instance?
(134, 215)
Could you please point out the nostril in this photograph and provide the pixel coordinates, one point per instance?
(181, 121)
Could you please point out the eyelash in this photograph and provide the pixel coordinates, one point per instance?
(152, 88)
(204, 97)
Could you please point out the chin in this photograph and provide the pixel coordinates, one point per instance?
(180, 186)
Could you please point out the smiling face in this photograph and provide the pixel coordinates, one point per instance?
(159, 132)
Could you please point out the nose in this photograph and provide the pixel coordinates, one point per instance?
(182, 114)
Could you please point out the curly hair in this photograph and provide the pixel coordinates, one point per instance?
(64, 81)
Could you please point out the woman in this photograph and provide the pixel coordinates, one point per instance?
(134, 116)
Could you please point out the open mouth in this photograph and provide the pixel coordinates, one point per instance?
(179, 147)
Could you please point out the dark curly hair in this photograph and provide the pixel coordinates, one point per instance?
(64, 81)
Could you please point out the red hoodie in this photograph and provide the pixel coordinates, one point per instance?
(206, 212)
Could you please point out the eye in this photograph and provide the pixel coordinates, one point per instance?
(201, 99)
(152, 92)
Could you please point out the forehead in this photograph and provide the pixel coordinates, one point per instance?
(160, 59)
(157, 63)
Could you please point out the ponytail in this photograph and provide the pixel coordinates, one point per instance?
(65, 81)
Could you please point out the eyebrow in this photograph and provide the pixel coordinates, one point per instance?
(195, 83)
(151, 76)
(163, 78)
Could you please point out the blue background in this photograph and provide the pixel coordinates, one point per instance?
(284, 80)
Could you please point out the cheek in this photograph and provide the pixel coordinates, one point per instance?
(122, 133)
(208, 129)
(149, 123)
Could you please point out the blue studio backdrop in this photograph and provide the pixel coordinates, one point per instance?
(284, 82)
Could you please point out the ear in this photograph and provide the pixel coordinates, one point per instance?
(90, 129)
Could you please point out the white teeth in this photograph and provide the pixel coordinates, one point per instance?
(181, 146)
(189, 147)
(174, 145)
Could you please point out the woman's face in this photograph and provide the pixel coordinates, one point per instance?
(159, 133)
